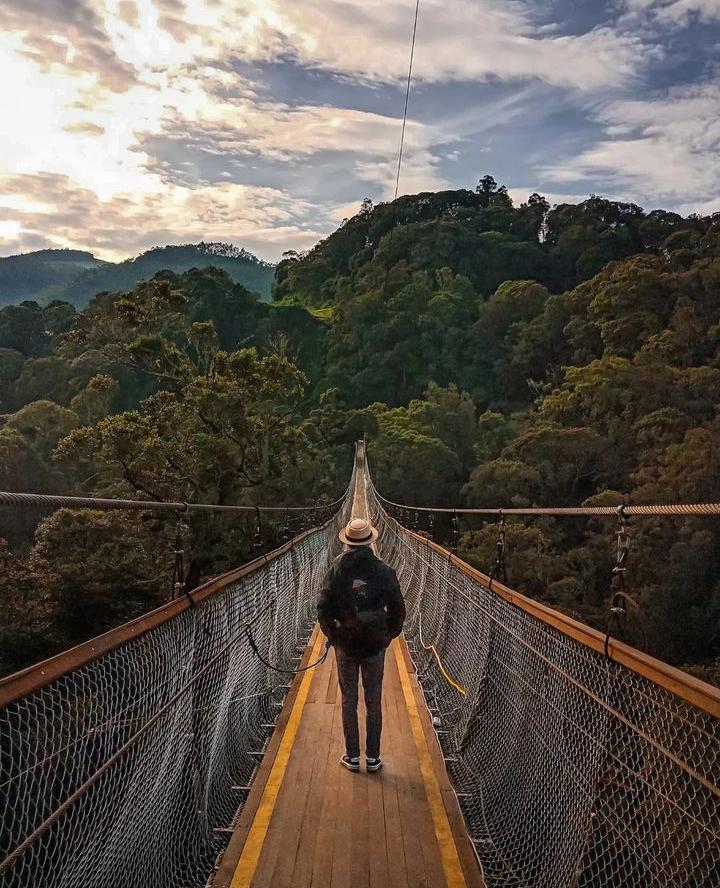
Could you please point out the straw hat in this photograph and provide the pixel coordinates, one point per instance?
(359, 532)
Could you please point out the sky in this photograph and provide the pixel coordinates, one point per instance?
(134, 123)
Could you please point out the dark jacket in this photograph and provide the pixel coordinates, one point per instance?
(361, 608)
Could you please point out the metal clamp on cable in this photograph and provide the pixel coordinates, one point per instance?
(178, 576)
(179, 580)
(499, 570)
(455, 523)
(618, 611)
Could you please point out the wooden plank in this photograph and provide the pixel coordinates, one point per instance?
(345, 815)
(360, 835)
(416, 816)
(293, 809)
(342, 830)
(322, 777)
(290, 797)
(318, 688)
(387, 777)
(334, 829)
(232, 853)
(247, 864)
(318, 741)
(378, 840)
(398, 749)
(466, 851)
(452, 868)
(324, 839)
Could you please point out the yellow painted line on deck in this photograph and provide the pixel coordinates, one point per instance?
(454, 875)
(250, 856)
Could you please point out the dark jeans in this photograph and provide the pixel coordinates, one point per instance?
(372, 669)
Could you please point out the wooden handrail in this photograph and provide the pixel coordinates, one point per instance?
(31, 679)
(693, 690)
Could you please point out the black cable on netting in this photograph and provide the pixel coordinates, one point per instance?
(254, 647)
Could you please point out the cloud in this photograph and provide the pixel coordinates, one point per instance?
(142, 129)
(457, 40)
(366, 142)
(128, 12)
(344, 211)
(286, 133)
(520, 194)
(675, 11)
(85, 127)
(51, 210)
(364, 39)
(663, 148)
(67, 33)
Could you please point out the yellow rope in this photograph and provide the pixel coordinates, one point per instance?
(446, 675)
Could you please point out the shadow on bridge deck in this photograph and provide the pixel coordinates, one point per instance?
(309, 822)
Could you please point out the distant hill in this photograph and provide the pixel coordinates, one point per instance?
(41, 274)
(76, 276)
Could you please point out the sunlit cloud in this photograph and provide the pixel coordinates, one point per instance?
(54, 211)
(68, 35)
(137, 122)
(459, 39)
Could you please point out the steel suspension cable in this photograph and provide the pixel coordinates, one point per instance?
(42, 500)
(676, 509)
(407, 99)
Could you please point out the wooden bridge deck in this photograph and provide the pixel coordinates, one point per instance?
(309, 823)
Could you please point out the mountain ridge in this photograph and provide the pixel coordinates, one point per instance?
(76, 276)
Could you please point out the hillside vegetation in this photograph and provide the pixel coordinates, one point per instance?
(75, 276)
(32, 275)
(493, 355)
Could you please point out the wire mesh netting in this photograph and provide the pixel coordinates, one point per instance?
(167, 728)
(572, 771)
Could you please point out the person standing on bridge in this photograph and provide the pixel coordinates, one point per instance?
(360, 610)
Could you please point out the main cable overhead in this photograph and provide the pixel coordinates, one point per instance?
(407, 99)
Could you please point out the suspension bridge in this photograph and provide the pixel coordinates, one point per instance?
(523, 749)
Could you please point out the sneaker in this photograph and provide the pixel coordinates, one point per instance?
(373, 764)
(352, 764)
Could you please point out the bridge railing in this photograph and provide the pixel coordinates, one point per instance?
(573, 767)
(124, 761)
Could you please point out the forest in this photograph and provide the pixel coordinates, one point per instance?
(492, 355)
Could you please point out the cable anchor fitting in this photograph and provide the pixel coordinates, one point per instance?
(618, 611)
(499, 570)
(178, 575)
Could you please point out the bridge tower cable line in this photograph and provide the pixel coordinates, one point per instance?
(407, 99)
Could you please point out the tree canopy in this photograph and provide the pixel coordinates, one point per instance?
(492, 355)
